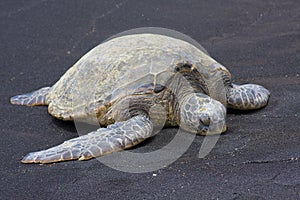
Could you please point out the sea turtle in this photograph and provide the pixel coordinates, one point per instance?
(119, 81)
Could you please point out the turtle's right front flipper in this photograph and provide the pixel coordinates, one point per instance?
(116, 137)
(35, 98)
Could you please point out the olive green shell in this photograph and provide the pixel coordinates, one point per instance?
(125, 65)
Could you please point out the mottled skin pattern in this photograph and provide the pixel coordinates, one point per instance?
(118, 83)
(115, 137)
(247, 97)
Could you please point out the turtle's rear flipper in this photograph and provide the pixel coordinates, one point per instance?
(35, 98)
(116, 137)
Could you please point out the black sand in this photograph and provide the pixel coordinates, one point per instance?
(258, 41)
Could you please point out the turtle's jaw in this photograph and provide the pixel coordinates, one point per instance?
(224, 128)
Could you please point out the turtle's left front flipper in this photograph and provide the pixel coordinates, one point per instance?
(247, 97)
(116, 137)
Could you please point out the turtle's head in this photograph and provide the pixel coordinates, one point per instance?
(202, 115)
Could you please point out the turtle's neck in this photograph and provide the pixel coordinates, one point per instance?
(180, 87)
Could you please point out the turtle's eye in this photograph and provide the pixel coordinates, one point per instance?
(204, 122)
(204, 119)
